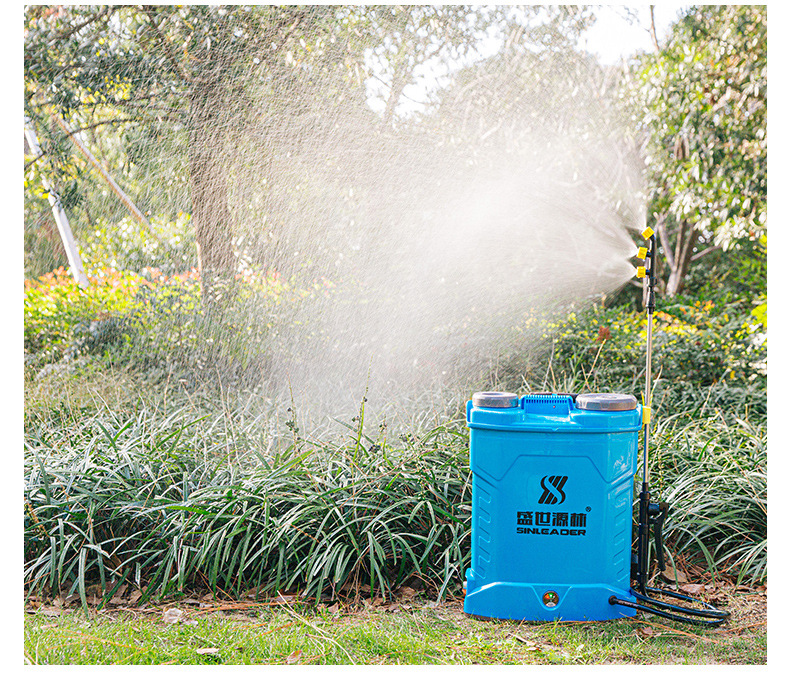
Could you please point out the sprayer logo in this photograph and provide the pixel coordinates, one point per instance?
(562, 523)
(552, 489)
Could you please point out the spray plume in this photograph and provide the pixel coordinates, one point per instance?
(509, 200)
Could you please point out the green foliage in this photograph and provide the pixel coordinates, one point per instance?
(192, 498)
(64, 321)
(61, 318)
(713, 93)
(703, 102)
(701, 348)
(176, 332)
(165, 503)
(128, 246)
(205, 109)
(166, 75)
(189, 99)
(159, 324)
(715, 476)
(709, 445)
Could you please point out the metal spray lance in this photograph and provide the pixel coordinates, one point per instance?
(695, 611)
(649, 514)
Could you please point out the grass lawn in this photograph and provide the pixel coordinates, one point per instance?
(407, 632)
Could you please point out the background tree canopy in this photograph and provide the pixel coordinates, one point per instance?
(176, 99)
(702, 102)
(183, 85)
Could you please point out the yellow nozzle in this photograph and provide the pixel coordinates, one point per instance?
(648, 233)
(641, 253)
(645, 415)
(641, 271)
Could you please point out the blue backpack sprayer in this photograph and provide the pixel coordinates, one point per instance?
(552, 504)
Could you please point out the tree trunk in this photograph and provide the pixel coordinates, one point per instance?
(209, 187)
(59, 213)
(684, 249)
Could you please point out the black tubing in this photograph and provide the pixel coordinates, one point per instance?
(673, 617)
(710, 616)
(709, 612)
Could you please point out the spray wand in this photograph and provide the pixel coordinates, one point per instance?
(652, 514)
(649, 513)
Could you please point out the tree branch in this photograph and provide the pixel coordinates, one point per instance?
(139, 104)
(653, 35)
(710, 249)
(76, 29)
(116, 120)
(662, 234)
(680, 239)
(125, 200)
(177, 67)
(34, 160)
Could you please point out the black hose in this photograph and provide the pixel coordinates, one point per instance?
(710, 616)
(709, 612)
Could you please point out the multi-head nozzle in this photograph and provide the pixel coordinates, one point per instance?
(641, 253)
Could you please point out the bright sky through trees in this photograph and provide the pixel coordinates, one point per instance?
(621, 30)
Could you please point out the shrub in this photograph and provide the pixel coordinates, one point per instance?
(168, 503)
(62, 319)
(160, 322)
(699, 348)
(176, 501)
(714, 475)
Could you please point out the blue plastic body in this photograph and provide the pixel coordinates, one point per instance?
(552, 499)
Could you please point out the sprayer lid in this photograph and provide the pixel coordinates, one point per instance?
(494, 399)
(606, 402)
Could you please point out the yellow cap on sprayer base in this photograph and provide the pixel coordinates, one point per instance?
(640, 272)
(648, 233)
(641, 253)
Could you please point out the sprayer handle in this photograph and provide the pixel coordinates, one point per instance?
(658, 513)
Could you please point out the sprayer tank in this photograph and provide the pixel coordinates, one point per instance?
(552, 494)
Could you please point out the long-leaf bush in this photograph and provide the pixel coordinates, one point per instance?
(171, 504)
(713, 473)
